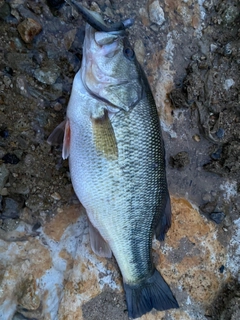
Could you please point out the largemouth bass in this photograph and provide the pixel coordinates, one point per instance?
(117, 163)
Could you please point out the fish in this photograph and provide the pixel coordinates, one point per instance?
(113, 141)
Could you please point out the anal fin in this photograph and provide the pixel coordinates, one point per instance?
(98, 244)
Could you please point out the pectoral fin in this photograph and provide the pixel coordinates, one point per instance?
(61, 134)
(104, 137)
(56, 137)
(66, 140)
(98, 244)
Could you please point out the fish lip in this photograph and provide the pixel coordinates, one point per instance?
(118, 27)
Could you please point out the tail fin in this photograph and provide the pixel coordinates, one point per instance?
(154, 292)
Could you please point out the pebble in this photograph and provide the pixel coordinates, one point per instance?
(4, 192)
(230, 14)
(47, 74)
(11, 208)
(34, 203)
(10, 158)
(56, 196)
(5, 11)
(221, 269)
(217, 154)
(139, 51)
(57, 106)
(10, 224)
(4, 133)
(16, 3)
(196, 138)
(4, 174)
(68, 38)
(56, 4)
(28, 29)
(29, 160)
(220, 133)
(156, 13)
(228, 84)
(217, 217)
(209, 207)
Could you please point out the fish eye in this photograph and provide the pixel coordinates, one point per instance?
(129, 53)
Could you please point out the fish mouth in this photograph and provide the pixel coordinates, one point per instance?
(94, 79)
(96, 21)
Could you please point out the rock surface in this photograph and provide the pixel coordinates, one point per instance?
(190, 52)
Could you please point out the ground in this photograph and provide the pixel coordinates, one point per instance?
(190, 52)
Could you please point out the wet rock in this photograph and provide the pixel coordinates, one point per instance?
(56, 4)
(5, 11)
(4, 133)
(180, 160)
(10, 225)
(220, 133)
(19, 316)
(217, 154)
(2, 152)
(4, 174)
(207, 4)
(221, 269)
(22, 86)
(69, 38)
(16, 3)
(209, 207)
(10, 158)
(11, 208)
(156, 13)
(28, 29)
(230, 14)
(47, 74)
(217, 217)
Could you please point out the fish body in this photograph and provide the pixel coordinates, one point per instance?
(117, 165)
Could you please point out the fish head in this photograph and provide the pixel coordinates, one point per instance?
(110, 71)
